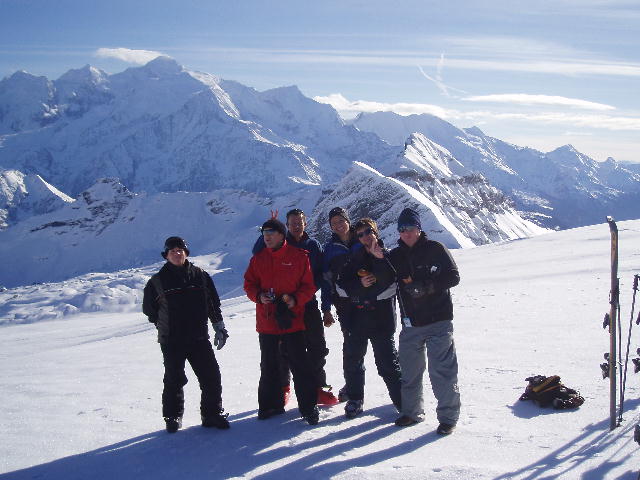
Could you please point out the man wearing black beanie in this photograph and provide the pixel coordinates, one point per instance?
(426, 271)
(179, 300)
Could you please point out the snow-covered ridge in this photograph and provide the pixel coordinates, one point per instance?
(22, 196)
(460, 210)
(563, 188)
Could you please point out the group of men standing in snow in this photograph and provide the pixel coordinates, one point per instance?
(359, 278)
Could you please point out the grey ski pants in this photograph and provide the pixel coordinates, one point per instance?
(437, 339)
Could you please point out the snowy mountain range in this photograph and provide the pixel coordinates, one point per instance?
(563, 188)
(159, 150)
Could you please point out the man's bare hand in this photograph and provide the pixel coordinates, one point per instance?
(289, 300)
(327, 319)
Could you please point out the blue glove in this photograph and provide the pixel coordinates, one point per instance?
(221, 335)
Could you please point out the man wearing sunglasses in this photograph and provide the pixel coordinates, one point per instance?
(426, 271)
(279, 280)
(369, 280)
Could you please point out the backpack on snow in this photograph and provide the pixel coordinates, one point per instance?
(548, 391)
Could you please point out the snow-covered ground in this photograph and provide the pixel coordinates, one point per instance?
(80, 389)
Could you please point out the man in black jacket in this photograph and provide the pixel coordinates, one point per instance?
(426, 271)
(369, 280)
(178, 300)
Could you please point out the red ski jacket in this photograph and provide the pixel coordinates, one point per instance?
(286, 270)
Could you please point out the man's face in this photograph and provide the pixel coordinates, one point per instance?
(409, 235)
(177, 256)
(339, 225)
(296, 225)
(272, 238)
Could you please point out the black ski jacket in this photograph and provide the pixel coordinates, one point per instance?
(433, 271)
(372, 308)
(179, 300)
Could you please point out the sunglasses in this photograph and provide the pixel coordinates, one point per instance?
(364, 233)
(268, 231)
(407, 228)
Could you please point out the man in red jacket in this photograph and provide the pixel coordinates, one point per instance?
(280, 281)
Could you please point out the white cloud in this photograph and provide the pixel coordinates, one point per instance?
(508, 60)
(606, 122)
(557, 67)
(139, 57)
(527, 99)
(349, 109)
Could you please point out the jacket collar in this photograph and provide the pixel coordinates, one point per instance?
(279, 252)
(182, 270)
(304, 239)
(336, 239)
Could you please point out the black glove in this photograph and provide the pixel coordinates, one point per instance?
(284, 316)
(221, 335)
(418, 289)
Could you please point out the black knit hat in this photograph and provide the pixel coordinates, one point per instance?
(409, 218)
(174, 242)
(339, 212)
(276, 225)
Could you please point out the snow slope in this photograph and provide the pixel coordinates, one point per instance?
(81, 393)
(109, 228)
(22, 196)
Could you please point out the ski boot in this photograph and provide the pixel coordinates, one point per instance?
(326, 397)
(313, 417)
(218, 420)
(353, 408)
(173, 424)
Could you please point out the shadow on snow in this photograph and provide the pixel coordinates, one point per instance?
(195, 452)
(594, 439)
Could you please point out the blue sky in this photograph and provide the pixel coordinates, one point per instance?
(536, 73)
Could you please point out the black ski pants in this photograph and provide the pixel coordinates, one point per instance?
(386, 359)
(316, 344)
(270, 387)
(203, 361)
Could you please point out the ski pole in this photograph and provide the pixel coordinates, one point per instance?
(626, 360)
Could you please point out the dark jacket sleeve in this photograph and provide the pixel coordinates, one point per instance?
(348, 278)
(215, 313)
(149, 302)
(448, 276)
(259, 245)
(306, 287)
(316, 258)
